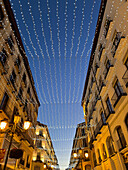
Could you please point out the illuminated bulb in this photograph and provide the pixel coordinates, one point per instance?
(26, 125)
(75, 155)
(34, 158)
(52, 166)
(3, 125)
(44, 166)
(86, 155)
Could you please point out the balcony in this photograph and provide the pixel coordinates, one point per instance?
(116, 97)
(125, 78)
(108, 113)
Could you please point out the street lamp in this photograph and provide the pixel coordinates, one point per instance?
(3, 126)
(80, 156)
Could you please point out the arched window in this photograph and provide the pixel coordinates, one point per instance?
(99, 157)
(40, 133)
(126, 121)
(110, 145)
(121, 139)
(104, 151)
(94, 159)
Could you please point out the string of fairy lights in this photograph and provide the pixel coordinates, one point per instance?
(44, 100)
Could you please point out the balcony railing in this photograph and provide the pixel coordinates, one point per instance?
(125, 78)
(116, 97)
(108, 112)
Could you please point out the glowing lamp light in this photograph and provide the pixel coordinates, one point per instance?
(26, 125)
(52, 166)
(75, 155)
(3, 125)
(44, 166)
(34, 158)
(86, 154)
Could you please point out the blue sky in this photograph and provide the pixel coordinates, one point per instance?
(57, 36)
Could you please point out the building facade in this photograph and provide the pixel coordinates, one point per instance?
(80, 155)
(44, 155)
(17, 91)
(105, 95)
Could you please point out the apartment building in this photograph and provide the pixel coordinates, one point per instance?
(80, 155)
(17, 91)
(44, 156)
(105, 95)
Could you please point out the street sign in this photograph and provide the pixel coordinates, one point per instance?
(2, 154)
(16, 153)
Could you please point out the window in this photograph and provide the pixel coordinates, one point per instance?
(126, 121)
(116, 39)
(1, 16)
(103, 117)
(107, 67)
(18, 63)
(28, 161)
(3, 57)
(99, 157)
(109, 109)
(110, 146)
(100, 51)
(94, 159)
(84, 142)
(38, 156)
(104, 152)
(4, 101)
(12, 79)
(24, 79)
(20, 93)
(83, 132)
(10, 43)
(40, 133)
(125, 76)
(118, 93)
(121, 141)
(107, 24)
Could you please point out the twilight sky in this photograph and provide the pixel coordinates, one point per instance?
(57, 36)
